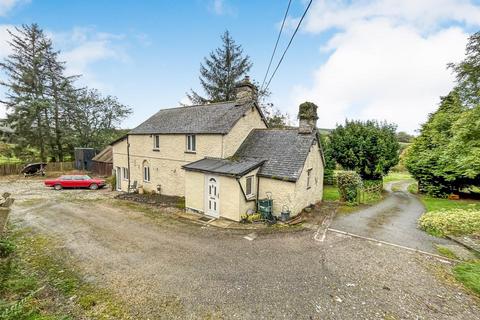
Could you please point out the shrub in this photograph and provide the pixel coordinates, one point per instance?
(348, 183)
(441, 223)
(6, 248)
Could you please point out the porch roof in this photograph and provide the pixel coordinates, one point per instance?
(236, 168)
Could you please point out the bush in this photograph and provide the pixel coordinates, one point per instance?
(6, 248)
(348, 183)
(455, 222)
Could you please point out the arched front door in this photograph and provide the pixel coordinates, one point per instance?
(212, 195)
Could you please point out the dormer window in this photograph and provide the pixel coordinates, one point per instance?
(156, 143)
(191, 143)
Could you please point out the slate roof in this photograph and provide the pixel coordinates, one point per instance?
(210, 118)
(236, 168)
(284, 151)
(106, 155)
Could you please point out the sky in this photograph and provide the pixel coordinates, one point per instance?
(364, 59)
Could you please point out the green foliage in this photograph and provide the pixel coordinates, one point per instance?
(369, 148)
(468, 273)
(6, 248)
(451, 222)
(348, 183)
(330, 164)
(220, 72)
(445, 157)
(468, 72)
(44, 108)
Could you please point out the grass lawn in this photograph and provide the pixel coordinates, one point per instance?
(36, 283)
(330, 193)
(434, 204)
(469, 274)
(397, 176)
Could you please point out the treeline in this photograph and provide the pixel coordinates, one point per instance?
(445, 157)
(45, 107)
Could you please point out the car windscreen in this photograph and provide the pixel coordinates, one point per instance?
(86, 178)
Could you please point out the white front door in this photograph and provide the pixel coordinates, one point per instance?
(212, 196)
(118, 179)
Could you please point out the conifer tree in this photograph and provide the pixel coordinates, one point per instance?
(220, 71)
(26, 101)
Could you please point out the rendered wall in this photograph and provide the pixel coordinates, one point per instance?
(307, 196)
(233, 140)
(165, 164)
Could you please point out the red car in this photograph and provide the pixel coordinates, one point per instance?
(75, 181)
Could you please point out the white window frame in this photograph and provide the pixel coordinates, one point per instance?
(146, 173)
(252, 188)
(156, 142)
(125, 173)
(191, 143)
(309, 178)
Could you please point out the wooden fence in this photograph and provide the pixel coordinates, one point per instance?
(370, 193)
(16, 168)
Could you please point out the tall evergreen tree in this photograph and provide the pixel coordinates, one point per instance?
(221, 70)
(26, 101)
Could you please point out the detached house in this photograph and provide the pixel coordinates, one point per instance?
(222, 157)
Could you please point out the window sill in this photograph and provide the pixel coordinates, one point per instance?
(250, 196)
(191, 152)
(156, 150)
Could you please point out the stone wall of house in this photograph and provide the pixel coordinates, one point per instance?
(283, 193)
(305, 196)
(233, 140)
(229, 194)
(165, 164)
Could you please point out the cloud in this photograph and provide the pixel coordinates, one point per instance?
(220, 7)
(424, 15)
(83, 48)
(7, 5)
(383, 61)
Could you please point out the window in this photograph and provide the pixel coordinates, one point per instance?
(249, 188)
(156, 142)
(191, 143)
(146, 172)
(125, 173)
(309, 178)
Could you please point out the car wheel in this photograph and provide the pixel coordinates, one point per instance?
(57, 187)
(93, 186)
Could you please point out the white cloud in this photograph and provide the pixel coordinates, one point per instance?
(387, 59)
(220, 7)
(424, 14)
(82, 48)
(7, 5)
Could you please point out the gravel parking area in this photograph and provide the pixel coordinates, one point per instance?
(163, 268)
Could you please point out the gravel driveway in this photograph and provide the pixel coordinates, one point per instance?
(165, 268)
(393, 220)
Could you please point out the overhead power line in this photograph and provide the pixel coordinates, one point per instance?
(276, 44)
(289, 43)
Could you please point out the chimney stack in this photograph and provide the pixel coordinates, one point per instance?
(245, 91)
(307, 115)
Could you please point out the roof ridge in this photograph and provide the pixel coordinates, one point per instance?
(199, 105)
